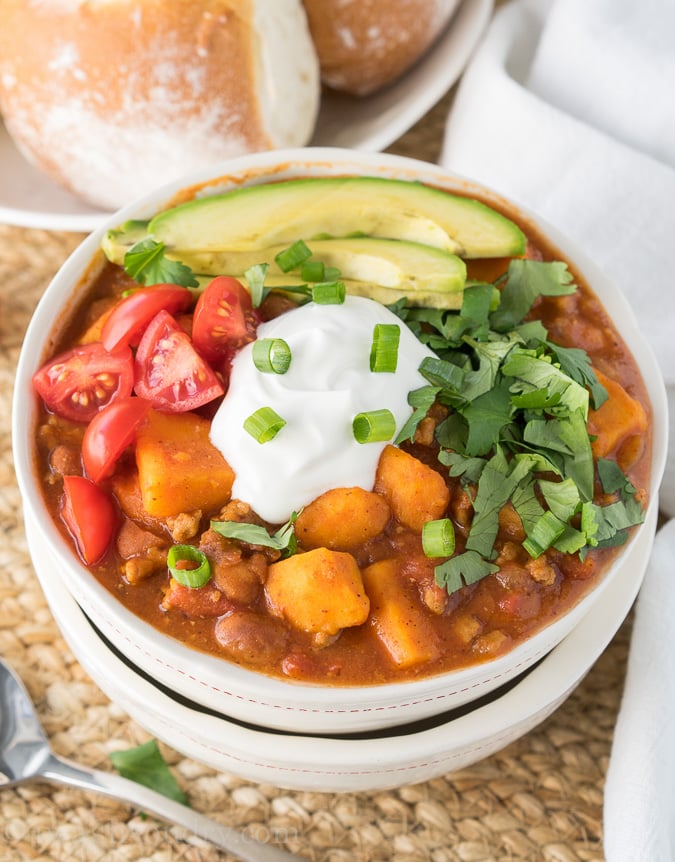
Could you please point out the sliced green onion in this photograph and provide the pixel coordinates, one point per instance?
(188, 577)
(264, 424)
(329, 292)
(544, 533)
(255, 277)
(438, 538)
(374, 426)
(316, 270)
(271, 355)
(313, 270)
(384, 349)
(293, 256)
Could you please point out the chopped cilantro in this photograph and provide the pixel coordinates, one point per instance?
(146, 263)
(516, 430)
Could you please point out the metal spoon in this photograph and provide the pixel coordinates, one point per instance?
(25, 755)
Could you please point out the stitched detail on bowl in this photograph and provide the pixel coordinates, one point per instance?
(315, 710)
(493, 744)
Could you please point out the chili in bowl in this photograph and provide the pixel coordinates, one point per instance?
(329, 442)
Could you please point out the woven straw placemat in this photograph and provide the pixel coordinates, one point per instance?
(538, 799)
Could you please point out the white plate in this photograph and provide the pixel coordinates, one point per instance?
(29, 199)
(379, 760)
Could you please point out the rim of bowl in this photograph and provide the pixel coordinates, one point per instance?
(261, 167)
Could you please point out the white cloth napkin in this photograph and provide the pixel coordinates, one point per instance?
(568, 106)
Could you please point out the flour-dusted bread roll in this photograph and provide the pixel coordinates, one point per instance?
(113, 97)
(364, 45)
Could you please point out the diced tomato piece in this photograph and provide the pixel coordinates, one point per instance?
(224, 319)
(168, 370)
(80, 382)
(90, 515)
(130, 317)
(109, 433)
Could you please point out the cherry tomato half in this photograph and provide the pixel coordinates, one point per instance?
(90, 515)
(109, 433)
(80, 382)
(224, 319)
(168, 370)
(129, 318)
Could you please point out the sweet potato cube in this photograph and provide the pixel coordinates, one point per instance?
(616, 421)
(179, 469)
(127, 490)
(342, 519)
(318, 591)
(398, 616)
(415, 492)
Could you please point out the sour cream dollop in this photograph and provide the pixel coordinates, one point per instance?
(328, 383)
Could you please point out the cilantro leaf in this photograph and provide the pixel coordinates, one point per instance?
(570, 540)
(461, 465)
(610, 520)
(486, 416)
(283, 540)
(532, 373)
(532, 332)
(526, 281)
(452, 433)
(421, 399)
(490, 355)
(613, 478)
(494, 489)
(543, 534)
(478, 301)
(146, 263)
(562, 498)
(568, 436)
(526, 504)
(576, 363)
(145, 765)
(466, 568)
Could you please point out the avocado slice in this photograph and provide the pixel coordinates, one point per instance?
(117, 242)
(382, 269)
(262, 216)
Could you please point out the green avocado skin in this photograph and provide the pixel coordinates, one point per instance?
(280, 213)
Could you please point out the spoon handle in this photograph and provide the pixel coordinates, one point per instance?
(61, 771)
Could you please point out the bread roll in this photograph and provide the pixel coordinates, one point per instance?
(365, 44)
(113, 97)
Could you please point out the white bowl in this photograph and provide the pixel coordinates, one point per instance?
(379, 760)
(215, 683)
